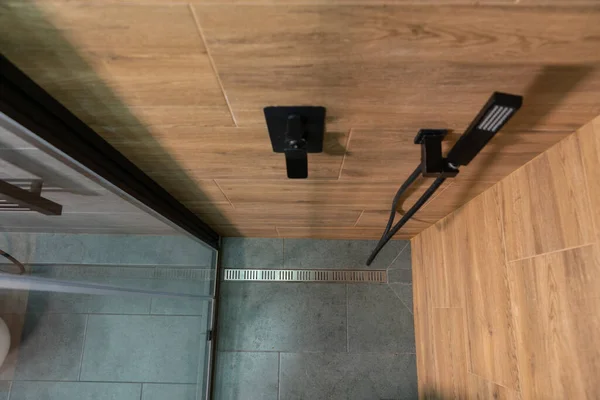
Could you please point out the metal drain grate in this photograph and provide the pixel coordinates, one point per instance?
(306, 275)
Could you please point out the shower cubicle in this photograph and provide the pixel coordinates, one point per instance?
(107, 283)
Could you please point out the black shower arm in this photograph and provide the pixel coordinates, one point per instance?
(389, 233)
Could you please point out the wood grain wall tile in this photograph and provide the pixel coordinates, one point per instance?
(449, 353)
(349, 195)
(379, 219)
(404, 66)
(492, 349)
(239, 230)
(530, 323)
(110, 65)
(193, 191)
(589, 147)
(482, 389)
(546, 204)
(209, 152)
(117, 29)
(282, 216)
(556, 319)
(428, 261)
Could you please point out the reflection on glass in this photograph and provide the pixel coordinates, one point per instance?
(114, 300)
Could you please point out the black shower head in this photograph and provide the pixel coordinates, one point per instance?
(497, 111)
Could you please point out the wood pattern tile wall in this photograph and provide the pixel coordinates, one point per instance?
(511, 308)
(179, 89)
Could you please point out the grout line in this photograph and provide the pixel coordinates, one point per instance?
(282, 250)
(10, 385)
(278, 375)
(141, 391)
(438, 194)
(494, 382)
(111, 314)
(398, 255)
(399, 298)
(345, 153)
(222, 191)
(87, 318)
(347, 322)
(358, 219)
(212, 62)
(552, 252)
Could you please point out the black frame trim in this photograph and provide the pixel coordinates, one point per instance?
(31, 106)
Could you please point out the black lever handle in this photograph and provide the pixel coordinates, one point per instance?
(296, 131)
(296, 159)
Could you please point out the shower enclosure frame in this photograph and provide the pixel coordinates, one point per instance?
(31, 106)
(25, 102)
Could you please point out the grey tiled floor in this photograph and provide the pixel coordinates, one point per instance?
(93, 347)
(135, 348)
(315, 341)
(282, 317)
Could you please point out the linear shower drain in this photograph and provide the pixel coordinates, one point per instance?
(306, 275)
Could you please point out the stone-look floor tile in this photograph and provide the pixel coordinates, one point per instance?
(282, 317)
(75, 391)
(50, 347)
(405, 293)
(403, 261)
(378, 321)
(128, 348)
(4, 390)
(252, 253)
(347, 376)
(338, 254)
(164, 391)
(73, 303)
(247, 376)
(399, 276)
(92, 249)
(166, 305)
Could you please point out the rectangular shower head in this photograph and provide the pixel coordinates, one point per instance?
(500, 108)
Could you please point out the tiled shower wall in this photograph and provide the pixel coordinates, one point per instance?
(315, 340)
(73, 346)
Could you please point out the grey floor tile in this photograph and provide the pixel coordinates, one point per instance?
(92, 249)
(346, 376)
(50, 302)
(51, 347)
(4, 390)
(180, 305)
(403, 261)
(75, 391)
(252, 253)
(53, 302)
(404, 292)
(282, 317)
(126, 348)
(167, 391)
(247, 376)
(350, 254)
(378, 321)
(399, 275)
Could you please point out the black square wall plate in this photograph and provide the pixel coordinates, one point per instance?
(313, 121)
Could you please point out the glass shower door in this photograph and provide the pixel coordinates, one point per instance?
(115, 300)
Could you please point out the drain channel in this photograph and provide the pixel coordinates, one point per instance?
(306, 275)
